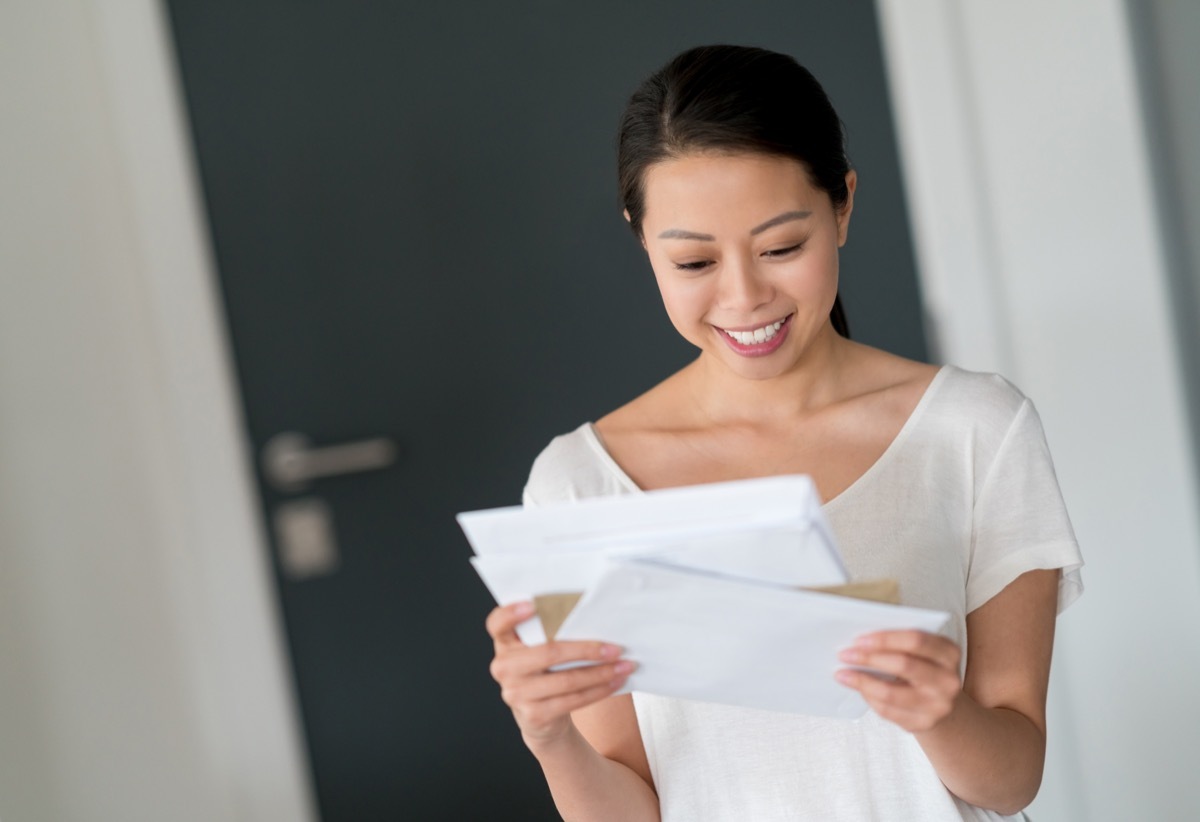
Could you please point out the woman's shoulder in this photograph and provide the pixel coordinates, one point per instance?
(980, 396)
(948, 399)
(573, 466)
(976, 413)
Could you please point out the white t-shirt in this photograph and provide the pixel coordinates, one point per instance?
(961, 503)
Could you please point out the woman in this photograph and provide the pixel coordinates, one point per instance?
(735, 180)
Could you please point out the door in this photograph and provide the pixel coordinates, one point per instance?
(426, 276)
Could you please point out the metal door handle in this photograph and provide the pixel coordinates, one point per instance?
(290, 462)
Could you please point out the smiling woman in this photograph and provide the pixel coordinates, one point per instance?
(738, 112)
(757, 278)
(735, 180)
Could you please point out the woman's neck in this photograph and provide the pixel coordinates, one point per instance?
(723, 397)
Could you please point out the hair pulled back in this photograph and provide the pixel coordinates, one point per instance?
(736, 99)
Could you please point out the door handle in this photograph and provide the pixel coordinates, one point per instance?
(290, 462)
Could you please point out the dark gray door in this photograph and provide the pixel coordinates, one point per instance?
(417, 232)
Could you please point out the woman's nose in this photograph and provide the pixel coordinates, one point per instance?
(743, 287)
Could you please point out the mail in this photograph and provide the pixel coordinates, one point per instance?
(704, 587)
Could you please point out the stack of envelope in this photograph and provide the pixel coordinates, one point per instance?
(732, 593)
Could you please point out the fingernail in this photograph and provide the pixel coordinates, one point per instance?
(844, 677)
(523, 609)
(624, 667)
(851, 655)
(867, 642)
(610, 651)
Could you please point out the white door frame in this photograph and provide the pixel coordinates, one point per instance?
(229, 600)
(1040, 256)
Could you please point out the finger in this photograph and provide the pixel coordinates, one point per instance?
(920, 672)
(547, 710)
(896, 700)
(907, 719)
(575, 680)
(557, 653)
(922, 643)
(896, 693)
(502, 623)
(534, 660)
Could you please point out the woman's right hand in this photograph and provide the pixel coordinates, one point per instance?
(542, 700)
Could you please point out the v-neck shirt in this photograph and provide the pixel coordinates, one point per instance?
(592, 436)
(962, 502)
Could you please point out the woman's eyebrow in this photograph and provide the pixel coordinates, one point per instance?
(681, 234)
(785, 217)
(684, 234)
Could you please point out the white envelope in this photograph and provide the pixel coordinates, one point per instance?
(703, 637)
(521, 577)
(768, 530)
(650, 518)
(792, 556)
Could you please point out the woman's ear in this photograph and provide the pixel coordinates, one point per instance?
(843, 213)
(628, 219)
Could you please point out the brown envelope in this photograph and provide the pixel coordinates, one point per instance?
(552, 610)
(875, 590)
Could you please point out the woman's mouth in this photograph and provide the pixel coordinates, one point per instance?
(757, 342)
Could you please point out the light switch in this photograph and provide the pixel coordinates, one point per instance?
(305, 537)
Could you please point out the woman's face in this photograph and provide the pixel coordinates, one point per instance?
(745, 251)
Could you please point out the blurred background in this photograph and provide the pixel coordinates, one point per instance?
(284, 286)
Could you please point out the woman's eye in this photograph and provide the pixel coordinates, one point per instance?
(783, 252)
(696, 266)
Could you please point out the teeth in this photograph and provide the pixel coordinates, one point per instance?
(758, 335)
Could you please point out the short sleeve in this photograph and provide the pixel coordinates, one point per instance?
(555, 471)
(573, 466)
(1019, 521)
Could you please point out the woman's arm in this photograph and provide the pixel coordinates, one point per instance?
(608, 777)
(600, 776)
(987, 738)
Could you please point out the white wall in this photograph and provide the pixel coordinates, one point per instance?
(1041, 255)
(141, 673)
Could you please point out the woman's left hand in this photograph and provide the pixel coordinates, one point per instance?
(925, 667)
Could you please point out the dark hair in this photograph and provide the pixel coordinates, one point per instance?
(736, 99)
